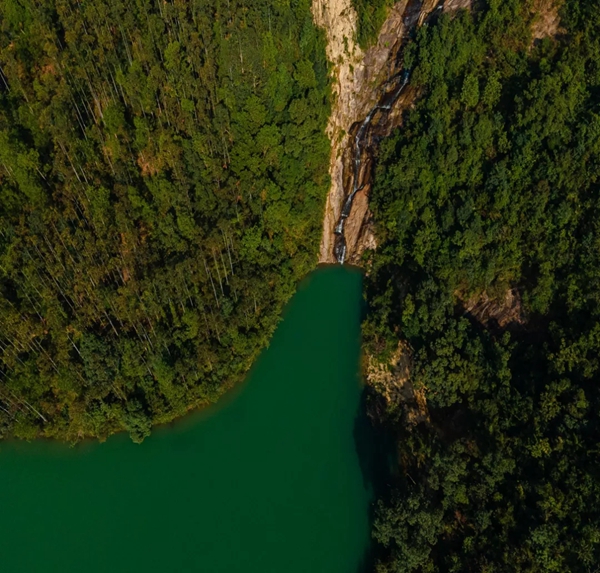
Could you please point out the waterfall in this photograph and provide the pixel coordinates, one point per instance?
(385, 105)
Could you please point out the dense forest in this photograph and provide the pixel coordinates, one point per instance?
(163, 170)
(487, 204)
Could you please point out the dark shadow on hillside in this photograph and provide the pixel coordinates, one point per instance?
(375, 455)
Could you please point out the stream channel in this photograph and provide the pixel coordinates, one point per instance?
(277, 478)
(366, 136)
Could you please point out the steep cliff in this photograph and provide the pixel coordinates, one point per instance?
(360, 79)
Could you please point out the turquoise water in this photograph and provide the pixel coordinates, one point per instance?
(267, 481)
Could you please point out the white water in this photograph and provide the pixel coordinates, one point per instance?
(385, 104)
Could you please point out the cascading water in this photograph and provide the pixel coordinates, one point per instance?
(369, 132)
(384, 105)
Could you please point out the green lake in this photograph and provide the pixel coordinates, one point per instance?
(273, 479)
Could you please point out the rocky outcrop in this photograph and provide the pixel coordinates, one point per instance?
(502, 312)
(546, 19)
(394, 391)
(453, 5)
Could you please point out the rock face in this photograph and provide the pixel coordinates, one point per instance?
(496, 312)
(394, 392)
(359, 80)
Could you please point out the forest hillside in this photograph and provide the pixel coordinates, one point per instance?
(484, 295)
(163, 171)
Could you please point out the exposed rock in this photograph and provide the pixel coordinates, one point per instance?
(453, 5)
(546, 21)
(504, 312)
(359, 228)
(359, 79)
(392, 384)
(356, 76)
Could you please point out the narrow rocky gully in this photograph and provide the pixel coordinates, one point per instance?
(371, 89)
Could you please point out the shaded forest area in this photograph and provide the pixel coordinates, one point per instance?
(163, 171)
(492, 187)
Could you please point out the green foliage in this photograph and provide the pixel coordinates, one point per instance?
(492, 183)
(371, 15)
(163, 168)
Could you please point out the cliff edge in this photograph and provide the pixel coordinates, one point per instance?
(358, 80)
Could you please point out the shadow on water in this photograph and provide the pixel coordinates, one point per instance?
(375, 454)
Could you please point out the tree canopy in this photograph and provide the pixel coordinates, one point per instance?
(490, 186)
(163, 169)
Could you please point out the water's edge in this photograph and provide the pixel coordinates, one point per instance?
(281, 477)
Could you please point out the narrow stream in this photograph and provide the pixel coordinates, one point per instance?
(362, 140)
(367, 134)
